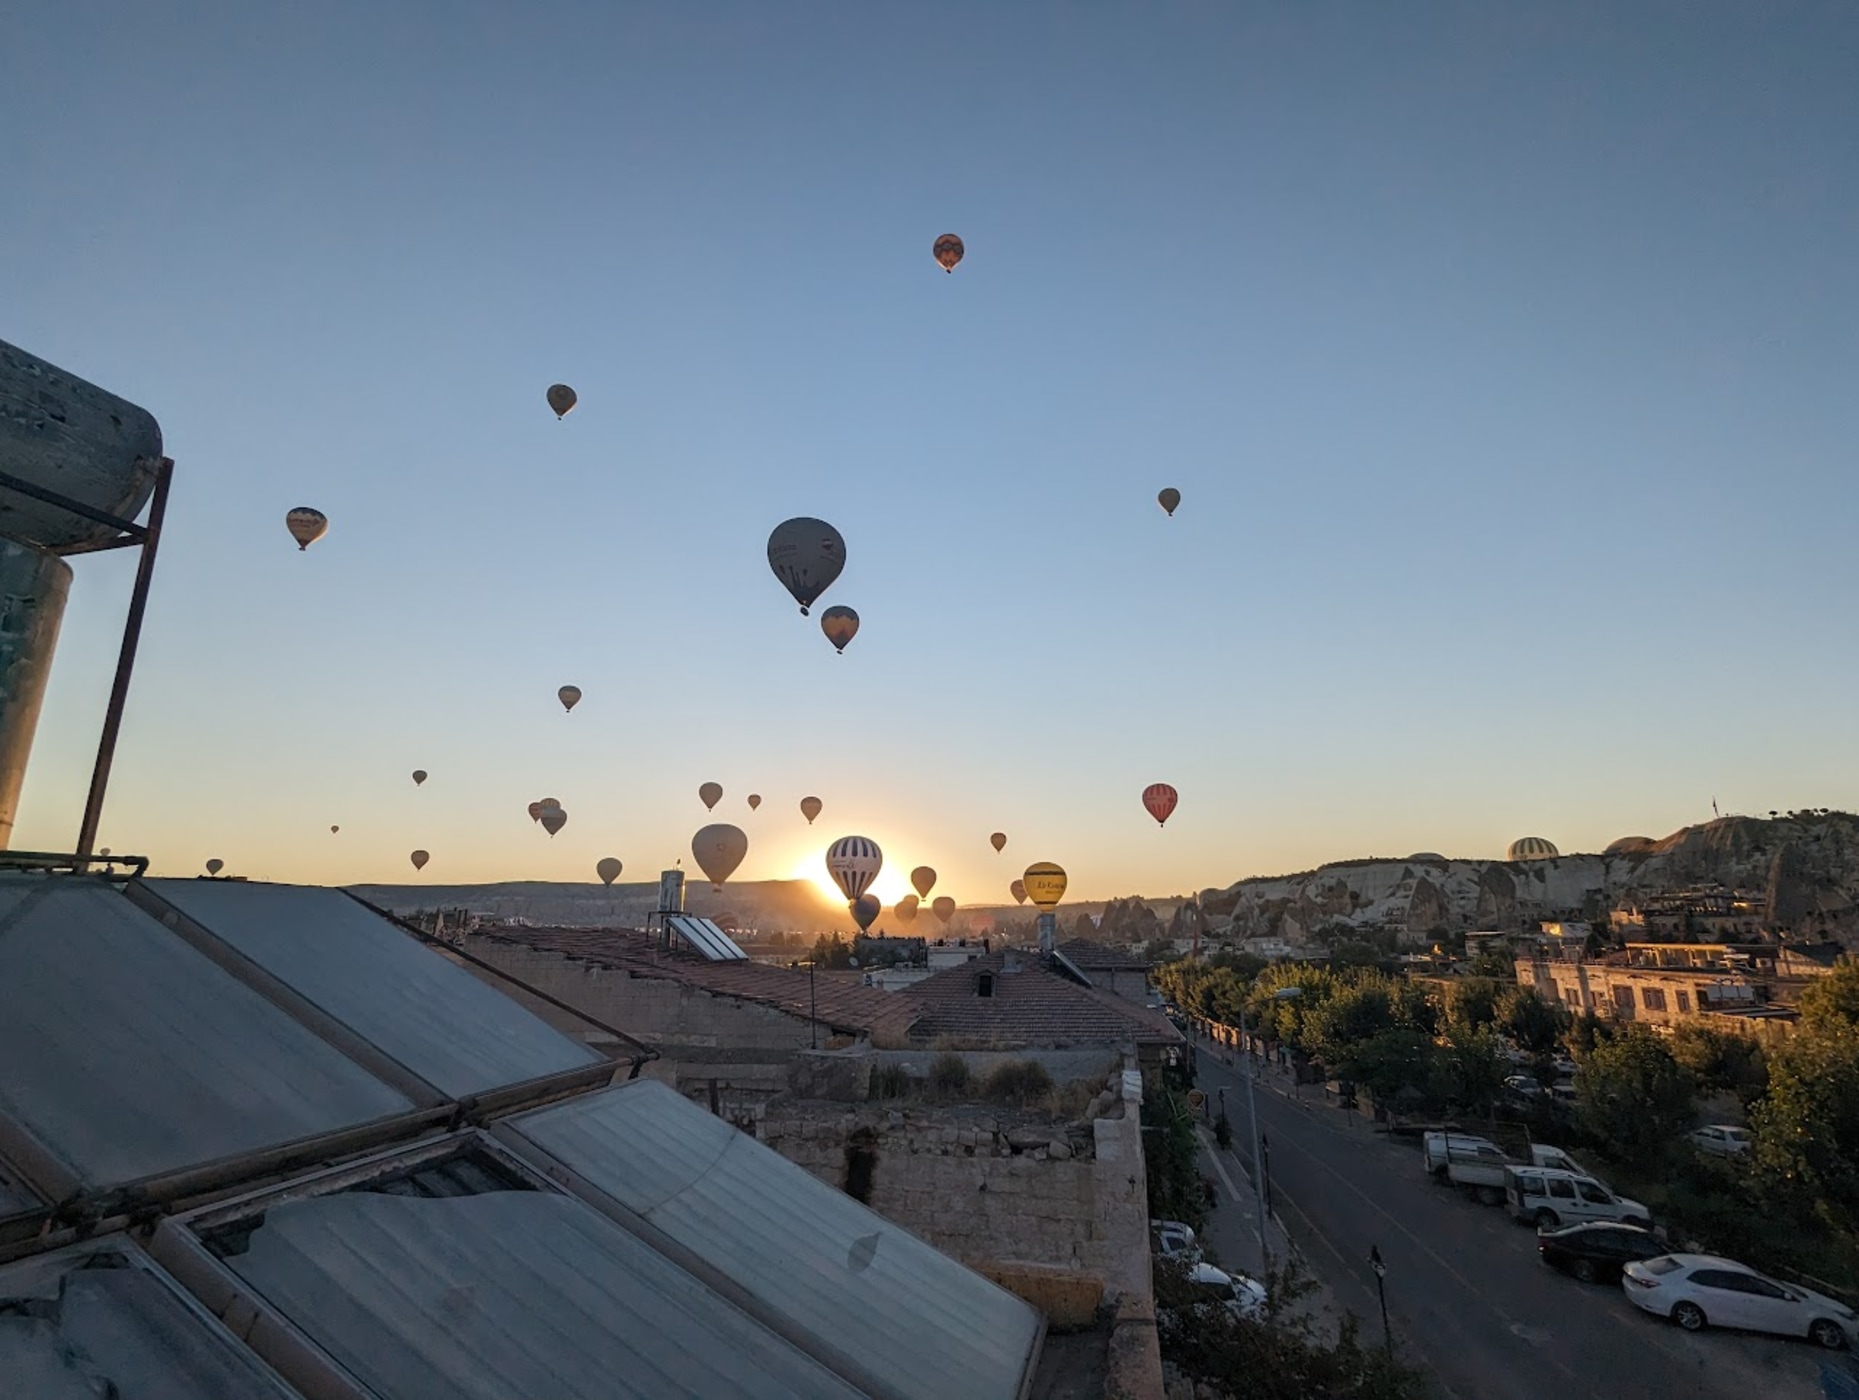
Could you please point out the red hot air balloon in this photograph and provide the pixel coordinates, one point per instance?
(1160, 799)
(947, 250)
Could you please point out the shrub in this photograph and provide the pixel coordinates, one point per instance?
(1017, 1081)
(890, 1082)
(948, 1074)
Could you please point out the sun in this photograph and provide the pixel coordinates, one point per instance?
(890, 886)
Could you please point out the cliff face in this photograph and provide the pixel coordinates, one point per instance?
(1807, 866)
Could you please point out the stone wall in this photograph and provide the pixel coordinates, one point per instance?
(1069, 1066)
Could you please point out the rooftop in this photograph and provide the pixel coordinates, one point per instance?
(1027, 1005)
(1093, 956)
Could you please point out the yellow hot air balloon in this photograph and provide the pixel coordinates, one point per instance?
(923, 880)
(419, 859)
(710, 794)
(948, 250)
(1045, 885)
(755, 800)
(943, 907)
(608, 869)
(570, 696)
(306, 525)
(718, 850)
(998, 841)
(419, 776)
(1018, 890)
(810, 807)
(215, 865)
(840, 624)
(562, 399)
(1168, 498)
(905, 909)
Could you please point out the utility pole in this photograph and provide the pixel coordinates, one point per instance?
(1381, 1291)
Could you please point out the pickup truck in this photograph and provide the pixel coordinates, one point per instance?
(1478, 1165)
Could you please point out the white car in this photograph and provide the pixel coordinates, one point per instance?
(1243, 1297)
(1700, 1290)
(1721, 1140)
(1175, 1240)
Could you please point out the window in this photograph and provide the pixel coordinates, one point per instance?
(1684, 1002)
(1653, 998)
(1530, 1185)
(1717, 1278)
(1561, 1188)
(1595, 1192)
(1623, 998)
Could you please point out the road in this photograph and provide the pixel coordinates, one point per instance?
(1467, 1296)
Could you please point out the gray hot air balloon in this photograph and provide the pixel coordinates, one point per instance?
(306, 525)
(1168, 499)
(419, 776)
(710, 794)
(810, 808)
(569, 695)
(718, 850)
(1018, 890)
(562, 399)
(215, 865)
(905, 909)
(865, 911)
(806, 555)
(608, 869)
(755, 800)
(419, 859)
(943, 908)
(553, 819)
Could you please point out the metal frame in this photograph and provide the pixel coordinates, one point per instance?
(148, 539)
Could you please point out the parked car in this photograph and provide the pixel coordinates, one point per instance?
(1478, 1165)
(1701, 1290)
(1549, 1197)
(1523, 1086)
(1242, 1296)
(1563, 1066)
(1596, 1252)
(1174, 1240)
(1721, 1140)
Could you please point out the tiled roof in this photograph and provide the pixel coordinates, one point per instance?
(1030, 1006)
(1094, 956)
(837, 999)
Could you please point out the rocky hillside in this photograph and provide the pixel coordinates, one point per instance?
(766, 904)
(1805, 864)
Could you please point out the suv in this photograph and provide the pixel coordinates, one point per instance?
(1721, 1140)
(1548, 1197)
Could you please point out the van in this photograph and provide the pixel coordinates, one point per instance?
(1548, 1198)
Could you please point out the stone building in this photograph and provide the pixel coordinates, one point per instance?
(1110, 969)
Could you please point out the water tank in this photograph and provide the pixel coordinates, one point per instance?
(33, 588)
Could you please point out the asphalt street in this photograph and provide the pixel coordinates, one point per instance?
(1468, 1298)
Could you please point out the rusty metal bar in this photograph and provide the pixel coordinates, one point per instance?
(52, 498)
(126, 659)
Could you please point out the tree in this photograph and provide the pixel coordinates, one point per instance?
(1806, 1128)
(1534, 1025)
(1397, 1062)
(832, 951)
(1473, 1002)
(1722, 1061)
(1169, 1148)
(1634, 1096)
(1469, 1071)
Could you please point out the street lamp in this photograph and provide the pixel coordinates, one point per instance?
(1252, 1115)
(1381, 1291)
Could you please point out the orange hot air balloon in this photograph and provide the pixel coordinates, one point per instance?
(1018, 890)
(1160, 799)
(943, 907)
(562, 399)
(923, 880)
(998, 841)
(810, 808)
(1168, 498)
(419, 859)
(840, 625)
(306, 525)
(710, 794)
(535, 811)
(570, 696)
(905, 909)
(948, 251)
(755, 800)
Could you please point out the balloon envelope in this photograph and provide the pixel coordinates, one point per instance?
(608, 869)
(806, 555)
(1018, 890)
(710, 794)
(332, 831)
(1160, 799)
(306, 526)
(810, 808)
(854, 862)
(923, 880)
(948, 250)
(215, 865)
(1045, 884)
(562, 399)
(718, 850)
(553, 819)
(569, 695)
(865, 911)
(840, 626)
(419, 859)
(943, 907)
(755, 800)
(535, 811)
(905, 909)
(1169, 498)
(998, 841)
(419, 776)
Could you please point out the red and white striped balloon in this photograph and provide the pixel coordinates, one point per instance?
(1160, 799)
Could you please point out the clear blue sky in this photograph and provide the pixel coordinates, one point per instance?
(1506, 357)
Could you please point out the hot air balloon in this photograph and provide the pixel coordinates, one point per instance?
(905, 909)
(608, 869)
(718, 850)
(943, 907)
(215, 865)
(1168, 498)
(810, 808)
(865, 911)
(306, 525)
(840, 626)
(710, 794)
(923, 880)
(948, 251)
(549, 802)
(755, 800)
(106, 850)
(419, 776)
(1018, 890)
(332, 831)
(553, 819)
(854, 862)
(535, 811)
(419, 859)
(562, 399)
(998, 841)
(1160, 799)
(1045, 885)
(570, 696)
(806, 555)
